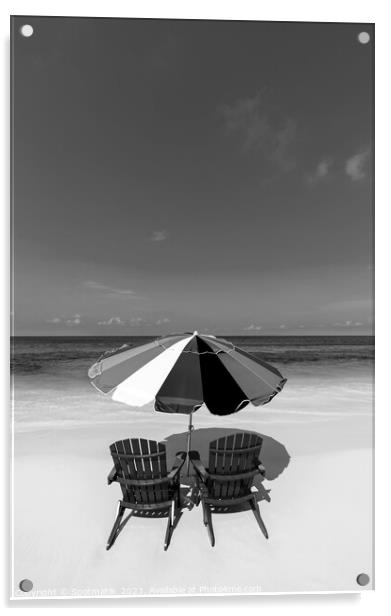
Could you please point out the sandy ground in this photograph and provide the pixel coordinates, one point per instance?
(319, 519)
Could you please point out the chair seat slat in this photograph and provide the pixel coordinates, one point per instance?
(142, 482)
(233, 476)
(150, 507)
(228, 502)
(238, 451)
(132, 456)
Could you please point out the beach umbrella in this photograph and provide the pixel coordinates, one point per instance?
(180, 372)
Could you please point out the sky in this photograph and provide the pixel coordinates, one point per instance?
(192, 175)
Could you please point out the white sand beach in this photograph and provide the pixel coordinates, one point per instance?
(318, 454)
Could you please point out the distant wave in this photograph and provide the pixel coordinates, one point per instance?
(76, 354)
(308, 356)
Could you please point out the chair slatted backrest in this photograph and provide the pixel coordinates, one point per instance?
(230, 455)
(141, 459)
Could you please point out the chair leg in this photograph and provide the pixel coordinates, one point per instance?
(178, 496)
(170, 525)
(197, 498)
(117, 522)
(196, 493)
(208, 522)
(204, 514)
(255, 508)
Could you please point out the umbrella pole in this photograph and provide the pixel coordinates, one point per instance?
(191, 428)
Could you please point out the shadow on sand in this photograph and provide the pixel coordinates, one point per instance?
(274, 456)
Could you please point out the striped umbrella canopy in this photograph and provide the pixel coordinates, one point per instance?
(180, 372)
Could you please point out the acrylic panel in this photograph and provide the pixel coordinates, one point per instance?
(192, 326)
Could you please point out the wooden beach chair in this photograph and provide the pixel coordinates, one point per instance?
(140, 467)
(227, 482)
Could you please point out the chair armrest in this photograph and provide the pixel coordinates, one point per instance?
(261, 469)
(112, 475)
(198, 466)
(180, 458)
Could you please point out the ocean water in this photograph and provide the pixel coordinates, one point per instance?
(326, 375)
(58, 354)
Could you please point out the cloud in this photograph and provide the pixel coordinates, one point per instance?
(75, 320)
(251, 121)
(54, 320)
(253, 327)
(355, 166)
(97, 286)
(348, 324)
(136, 320)
(159, 236)
(161, 321)
(321, 171)
(282, 326)
(112, 321)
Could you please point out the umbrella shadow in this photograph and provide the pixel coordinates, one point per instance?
(274, 457)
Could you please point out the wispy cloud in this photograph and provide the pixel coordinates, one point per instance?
(250, 119)
(321, 171)
(162, 321)
(159, 236)
(54, 320)
(75, 320)
(113, 291)
(252, 326)
(348, 324)
(136, 321)
(356, 165)
(112, 321)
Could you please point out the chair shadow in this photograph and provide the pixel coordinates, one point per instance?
(274, 457)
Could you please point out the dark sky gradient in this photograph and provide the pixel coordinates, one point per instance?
(175, 175)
